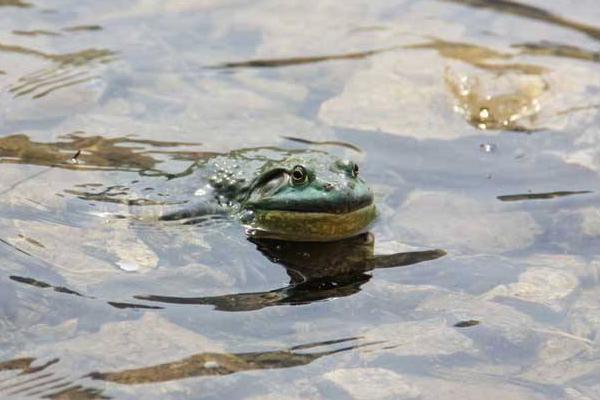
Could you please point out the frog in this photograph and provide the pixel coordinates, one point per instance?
(286, 194)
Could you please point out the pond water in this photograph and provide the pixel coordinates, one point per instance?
(476, 123)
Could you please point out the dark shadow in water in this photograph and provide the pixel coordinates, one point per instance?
(70, 29)
(34, 381)
(466, 324)
(317, 271)
(531, 12)
(61, 289)
(44, 285)
(123, 306)
(540, 196)
(212, 364)
(30, 381)
(83, 28)
(290, 61)
(35, 32)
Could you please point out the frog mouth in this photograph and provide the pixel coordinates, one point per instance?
(310, 226)
(341, 205)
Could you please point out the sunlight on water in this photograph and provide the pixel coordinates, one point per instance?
(130, 264)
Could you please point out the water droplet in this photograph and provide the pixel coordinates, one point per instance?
(484, 113)
(246, 216)
(211, 364)
(488, 147)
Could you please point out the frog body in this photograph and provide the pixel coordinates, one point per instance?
(306, 195)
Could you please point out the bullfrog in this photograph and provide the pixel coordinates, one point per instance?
(294, 195)
(301, 194)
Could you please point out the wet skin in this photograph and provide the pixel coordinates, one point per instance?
(297, 195)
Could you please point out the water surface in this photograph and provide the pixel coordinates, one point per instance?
(476, 123)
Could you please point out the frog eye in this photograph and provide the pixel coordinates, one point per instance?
(354, 170)
(299, 175)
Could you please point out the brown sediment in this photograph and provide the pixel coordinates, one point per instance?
(92, 152)
(477, 56)
(15, 3)
(546, 48)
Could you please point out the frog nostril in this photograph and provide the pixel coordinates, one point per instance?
(328, 187)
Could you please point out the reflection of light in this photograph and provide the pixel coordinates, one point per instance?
(200, 192)
(484, 113)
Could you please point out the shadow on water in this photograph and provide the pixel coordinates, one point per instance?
(324, 143)
(35, 381)
(211, 364)
(317, 271)
(29, 381)
(531, 12)
(68, 69)
(69, 29)
(540, 196)
(291, 61)
(546, 48)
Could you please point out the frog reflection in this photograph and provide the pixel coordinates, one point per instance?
(317, 271)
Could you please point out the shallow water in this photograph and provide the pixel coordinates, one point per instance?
(475, 121)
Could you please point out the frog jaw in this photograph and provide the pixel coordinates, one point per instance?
(308, 226)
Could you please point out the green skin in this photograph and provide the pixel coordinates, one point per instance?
(297, 195)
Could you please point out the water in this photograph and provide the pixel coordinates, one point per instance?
(475, 122)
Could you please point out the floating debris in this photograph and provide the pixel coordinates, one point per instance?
(286, 62)
(540, 196)
(325, 143)
(466, 324)
(36, 32)
(83, 28)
